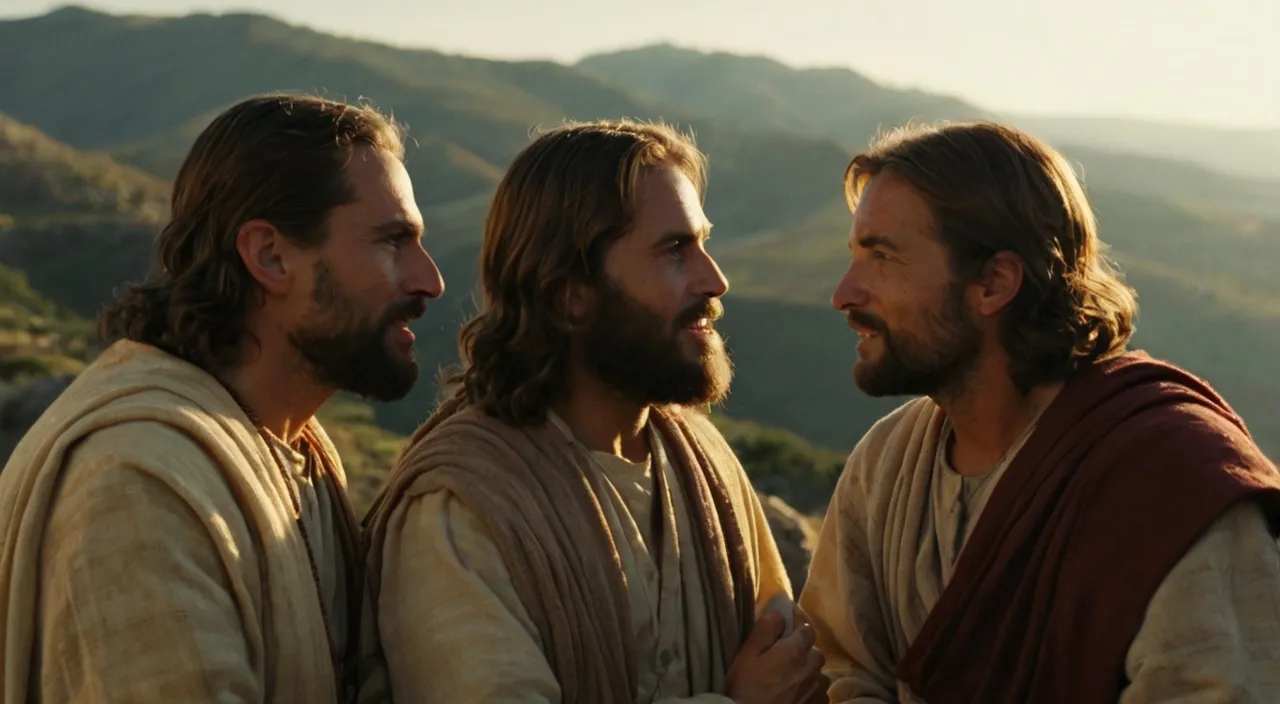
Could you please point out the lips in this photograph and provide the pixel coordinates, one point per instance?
(405, 312)
(864, 324)
(700, 318)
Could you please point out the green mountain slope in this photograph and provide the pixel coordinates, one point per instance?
(1206, 290)
(766, 94)
(38, 337)
(75, 223)
(41, 176)
(850, 108)
(470, 115)
(1197, 244)
(40, 340)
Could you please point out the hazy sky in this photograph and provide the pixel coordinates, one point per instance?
(1207, 61)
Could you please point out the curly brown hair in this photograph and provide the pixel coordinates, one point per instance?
(993, 188)
(280, 157)
(565, 198)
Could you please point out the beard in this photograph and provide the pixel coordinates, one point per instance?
(348, 351)
(937, 362)
(648, 359)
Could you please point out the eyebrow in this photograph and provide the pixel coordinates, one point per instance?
(869, 241)
(399, 227)
(676, 236)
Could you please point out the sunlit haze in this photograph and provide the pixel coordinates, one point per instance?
(1211, 62)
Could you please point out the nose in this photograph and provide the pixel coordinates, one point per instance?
(849, 292)
(423, 277)
(712, 281)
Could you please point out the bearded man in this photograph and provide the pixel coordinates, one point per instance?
(568, 527)
(1054, 519)
(176, 525)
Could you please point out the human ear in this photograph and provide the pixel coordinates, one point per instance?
(579, 300)
(262, 248)
(999, 284)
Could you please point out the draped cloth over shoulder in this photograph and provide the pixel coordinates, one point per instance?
(532, 490)
(1127, 468)
(241, 503)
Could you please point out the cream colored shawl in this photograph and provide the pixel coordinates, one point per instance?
(245, 507)
(530, 488)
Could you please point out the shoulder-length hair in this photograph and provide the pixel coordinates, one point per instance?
(565, 198)
(278, 157)
(993, 188)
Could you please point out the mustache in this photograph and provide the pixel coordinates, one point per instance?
(407, 309)
(711, 309)
(863, 319)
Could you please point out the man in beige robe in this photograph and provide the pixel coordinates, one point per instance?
(1054, 519)
(175, 525)
(568, 527)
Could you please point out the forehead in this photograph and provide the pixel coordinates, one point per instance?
(382, 188)
(891, 207)
(667, 202)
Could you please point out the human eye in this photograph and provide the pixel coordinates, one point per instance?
(398, 240)
(678, 247)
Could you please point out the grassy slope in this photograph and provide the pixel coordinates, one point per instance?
(40, 338)
(1206, 291)
(850, 108)
(1203, 275)
(469, 116)
(40, 176)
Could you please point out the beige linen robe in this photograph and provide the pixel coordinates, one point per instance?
(150, 549)
(1211, 633)
(453, 627)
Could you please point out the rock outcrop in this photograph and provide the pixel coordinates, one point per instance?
(796, 535)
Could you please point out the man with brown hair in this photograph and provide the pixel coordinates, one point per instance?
(176, 526)
(1055, 519)
(569, 527)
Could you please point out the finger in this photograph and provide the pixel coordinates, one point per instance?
(805, 638)
(815, 691)
(795, 646)
(802, 618)
(815, 660)
(813, 688)
(821, 695)
(766, 632)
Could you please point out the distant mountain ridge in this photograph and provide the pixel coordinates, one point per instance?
(1249, 153)
(766, 94)
(1198, 243)
(847, 107)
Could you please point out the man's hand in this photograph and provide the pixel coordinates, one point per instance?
(775, 669)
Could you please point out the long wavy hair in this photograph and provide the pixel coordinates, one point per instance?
(993, 188)
(565, 198)
(279, 157)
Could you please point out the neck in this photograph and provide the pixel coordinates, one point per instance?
(278, 391)
(602, 419)
(989, 414)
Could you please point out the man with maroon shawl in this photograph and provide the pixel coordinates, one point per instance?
(1054, 519)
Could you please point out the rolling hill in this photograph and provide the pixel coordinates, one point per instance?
(1198, 244)
(39, 175)
(766, 94)
(43, 345)
(850, 108)
(75, 223)
(1206, 288)
(472, 115)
